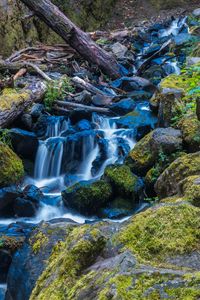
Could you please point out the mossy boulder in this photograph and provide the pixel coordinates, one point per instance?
(86, 197)
(185, 166)
(124, 183)
(145, 258)
(146, 152)
(11, 166)
(190, 127)
(163, 231)
(189, 188)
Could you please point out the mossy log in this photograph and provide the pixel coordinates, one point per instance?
(74, 36)
(14, 102)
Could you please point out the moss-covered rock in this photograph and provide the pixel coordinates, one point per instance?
(9, 97)
(190, 127)
(11, 166)
(124, 183)
(87, 198)
(189, 188)
(185, 166)
(147, 151)
(178, 95)
(161, 232)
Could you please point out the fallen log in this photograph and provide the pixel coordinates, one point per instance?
(79, 82)
(67, 104)
(13, 103)
(74, 36)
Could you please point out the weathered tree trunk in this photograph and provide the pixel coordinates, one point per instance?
(74, 36)
(12, 105)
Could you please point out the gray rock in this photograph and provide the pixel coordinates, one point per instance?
(119, 50)
(27, 121)
(37, 110)
(196, 12)
(192, 60)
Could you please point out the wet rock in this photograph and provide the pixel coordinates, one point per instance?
(192, 60)
(119, 50)
(5, 261)
(185, 166)
(27, 122)
(84, 97)
(7, 198)
(196, 12)
(147, 151)
(37, 110)
(102, 100)
(130, 84)
(182, 38)
(24, 208)
(124, 106)
(86, 197)
(33, 193)
(25, 143)
(11, 166)
(29, 263)
(83, 125)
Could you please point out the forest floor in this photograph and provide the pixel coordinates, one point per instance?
(129, 13)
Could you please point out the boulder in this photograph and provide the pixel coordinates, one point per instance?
(168, 183)
(7, 198)
(33, 193)
(146, 152)
(11, 166)
(30, 261)
(86, 197)
(83, 125)
(25, 143)
(133, 83)
(27, 121)
(24, 208)
(123, 107)
(151, 254)
(124, 183)
(190, 127)
(37, 110)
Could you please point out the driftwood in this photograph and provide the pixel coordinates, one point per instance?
(78, 82)
(65, 104)
(33, 93)
(74, 36)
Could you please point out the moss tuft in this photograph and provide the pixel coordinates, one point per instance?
(11, 166)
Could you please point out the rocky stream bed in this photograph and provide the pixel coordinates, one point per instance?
(101, 201)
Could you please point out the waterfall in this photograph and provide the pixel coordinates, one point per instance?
(50, 152)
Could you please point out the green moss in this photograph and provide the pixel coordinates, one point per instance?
(122, 180)
(190, 189)
(190, 127)
(167, 4)
(183, 167)
(39, 240)
(11, 166)
(67, 261)
(10, 97)
(161, 232)
(141, 158)
(188, 82)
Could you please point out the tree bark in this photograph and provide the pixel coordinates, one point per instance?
(35, 93)
(74, 36)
